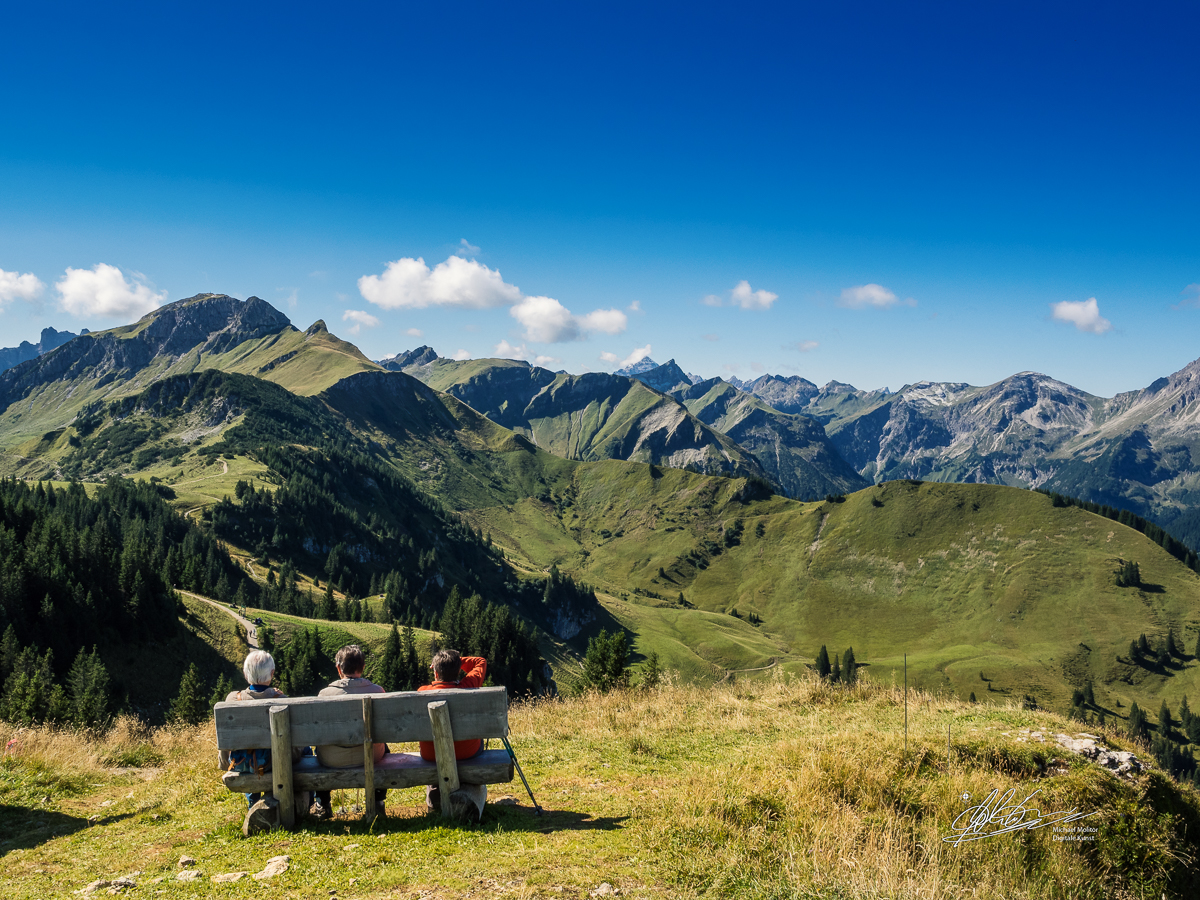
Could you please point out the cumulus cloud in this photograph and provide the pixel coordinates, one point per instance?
(546, 321)
(360, 319)
(1192, 289)
(505, 350)
(414, 332)
(742, 295)
(1083, 314)
(15, 286)
(637, 355)
(802, 346)
(460, 355)
(105, 292)
(875, 296)
(410, 284)
(467, 284)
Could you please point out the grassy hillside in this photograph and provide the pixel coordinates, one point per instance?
(962, 578)
(780, 788)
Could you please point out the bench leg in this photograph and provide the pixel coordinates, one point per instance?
(281, 765)
(368, 762)
(443, 748)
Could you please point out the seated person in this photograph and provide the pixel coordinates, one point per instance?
(454, 672)
(259, 669)
(350, 661)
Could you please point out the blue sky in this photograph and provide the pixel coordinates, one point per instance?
(920, 191)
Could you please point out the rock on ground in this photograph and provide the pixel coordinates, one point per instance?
(276, 865)
(229, 876)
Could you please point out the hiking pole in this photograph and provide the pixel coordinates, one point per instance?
(537, 810)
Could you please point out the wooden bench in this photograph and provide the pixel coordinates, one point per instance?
(439, 716)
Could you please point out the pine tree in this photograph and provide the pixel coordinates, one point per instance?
(390, 666)
(604, 667)
(1142, 644)
(973, 700)
(836, 674)
(221, 691)
(189, 705)
(849, 667)
(651, 673)
(1165, 721)
(1136, 726)
(1134, 653)
(823, 662)
(1089, 695)
(411, 670)
(88, 684)
(1172, 648)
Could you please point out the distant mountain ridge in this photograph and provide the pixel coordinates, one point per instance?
(11, 356)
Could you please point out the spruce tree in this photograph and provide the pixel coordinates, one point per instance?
(1165, 721)
(190, 705)
(835, 674)
(849, 667)
(1089, 696)
(222, 690)
(88, 684)
(973, 700)
(1142, 644)
(1172, 647)
(411, 670)
(390, 666)
(823, 662)
(1134, 654)
(1136, 726)
(651, 673)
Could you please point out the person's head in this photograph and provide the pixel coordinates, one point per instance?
(446, 665)
(259, 667)
(350, 661)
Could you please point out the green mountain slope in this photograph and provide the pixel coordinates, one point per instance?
(589, 417)
(208, 331)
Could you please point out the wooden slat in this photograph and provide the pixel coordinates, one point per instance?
(398, 717)
(397, 770)
(443, 749)
(281, 764)
(368, 762)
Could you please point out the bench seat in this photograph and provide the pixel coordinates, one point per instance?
(396, 770)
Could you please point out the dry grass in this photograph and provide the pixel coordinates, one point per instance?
(780, 788)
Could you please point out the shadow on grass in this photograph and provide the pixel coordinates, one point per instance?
(22, 828)
(496, 817)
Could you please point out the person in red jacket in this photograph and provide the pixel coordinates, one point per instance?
(452, 671)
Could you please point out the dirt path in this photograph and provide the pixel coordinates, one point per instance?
(251, 631)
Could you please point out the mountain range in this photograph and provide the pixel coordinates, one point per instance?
(662, 500)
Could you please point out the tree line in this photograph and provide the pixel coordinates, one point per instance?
(77, 573)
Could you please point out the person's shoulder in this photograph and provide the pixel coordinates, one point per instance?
(333, 690)
(234, 697)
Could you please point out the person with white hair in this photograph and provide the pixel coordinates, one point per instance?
(259, 669)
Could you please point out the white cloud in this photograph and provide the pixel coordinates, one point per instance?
(743, 296)
(1083, 314)
(410, 284)
(505, 350)
(635, 306)
(546, 321)
(871, 295)
(103, 291)
(460, 354)
(15, 286)
(466, 248)
(747, 299)
(291, 298)
(415, 332)
(1193, 289)
(637, 355)
(360, 319)
(546, 360)
(802, 346)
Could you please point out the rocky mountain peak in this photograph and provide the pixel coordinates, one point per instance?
(423, 355)
(664, 378)
(642, 365)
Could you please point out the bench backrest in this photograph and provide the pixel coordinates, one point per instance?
(398, 717)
